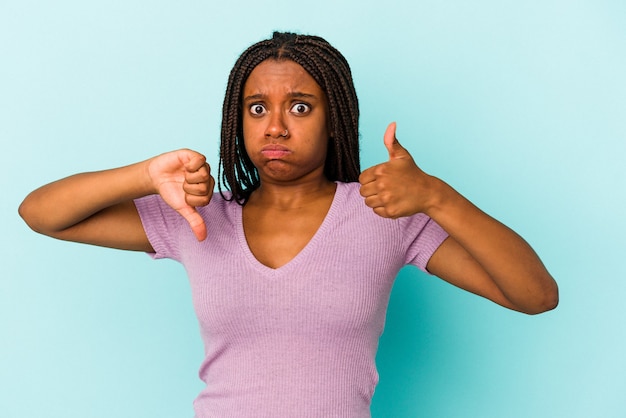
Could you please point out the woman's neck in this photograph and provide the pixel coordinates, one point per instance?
(291, 196)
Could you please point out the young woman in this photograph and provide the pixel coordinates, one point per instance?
(291, 264)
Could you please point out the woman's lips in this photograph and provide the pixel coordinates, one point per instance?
(274, 151)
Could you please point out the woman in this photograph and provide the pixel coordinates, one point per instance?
(291, 267)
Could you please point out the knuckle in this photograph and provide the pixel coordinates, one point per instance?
(380, 169)
(386, 197)
(202, 189)
(203, 176)
(381, 212)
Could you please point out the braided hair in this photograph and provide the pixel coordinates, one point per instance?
(331, 71)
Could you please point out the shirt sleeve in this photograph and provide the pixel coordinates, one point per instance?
(423, 236)
(162, 225)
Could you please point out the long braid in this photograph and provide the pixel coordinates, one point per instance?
(331, 71)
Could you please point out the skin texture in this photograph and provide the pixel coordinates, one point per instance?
(285, 135)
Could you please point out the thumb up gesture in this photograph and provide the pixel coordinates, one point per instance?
(397, 187)
(184, 181)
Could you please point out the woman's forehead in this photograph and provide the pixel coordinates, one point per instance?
(279, 75)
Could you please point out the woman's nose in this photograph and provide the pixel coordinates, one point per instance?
(276, 127)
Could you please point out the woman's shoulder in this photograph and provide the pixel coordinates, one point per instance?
(349, 196)
(222, 202)
(349, 190)
(223, 211)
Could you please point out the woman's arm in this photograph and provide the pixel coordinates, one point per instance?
(481, 255)
(97, 208)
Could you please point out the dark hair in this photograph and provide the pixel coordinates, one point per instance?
(331, 71)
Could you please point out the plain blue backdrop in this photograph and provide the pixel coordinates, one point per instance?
(519, 105)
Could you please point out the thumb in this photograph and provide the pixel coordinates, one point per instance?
(192, 160)
(195, 221)
(391, 143)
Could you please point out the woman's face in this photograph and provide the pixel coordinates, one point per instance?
(285, 125)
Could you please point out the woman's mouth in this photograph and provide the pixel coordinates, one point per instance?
(275, 151)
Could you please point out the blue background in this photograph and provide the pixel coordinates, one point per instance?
(519, 105)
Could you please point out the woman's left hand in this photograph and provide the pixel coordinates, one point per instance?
(481, 255)
(398, 187)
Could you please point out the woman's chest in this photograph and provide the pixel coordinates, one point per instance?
(275, 237)
(340, 281)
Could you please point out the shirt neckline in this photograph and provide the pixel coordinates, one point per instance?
(338, 198)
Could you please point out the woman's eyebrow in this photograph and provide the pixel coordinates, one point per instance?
(252, 97)
(293, 95)
(300, 95)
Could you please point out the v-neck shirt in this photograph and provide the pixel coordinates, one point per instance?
(301, 339)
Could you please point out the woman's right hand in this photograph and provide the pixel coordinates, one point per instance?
(98, 208)
(183, 179)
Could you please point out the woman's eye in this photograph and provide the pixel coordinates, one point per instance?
(257, 109)
(300, 108)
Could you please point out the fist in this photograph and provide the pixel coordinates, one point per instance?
(184, 181)
(397, 187)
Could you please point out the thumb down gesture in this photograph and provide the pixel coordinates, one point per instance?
(184, 181)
